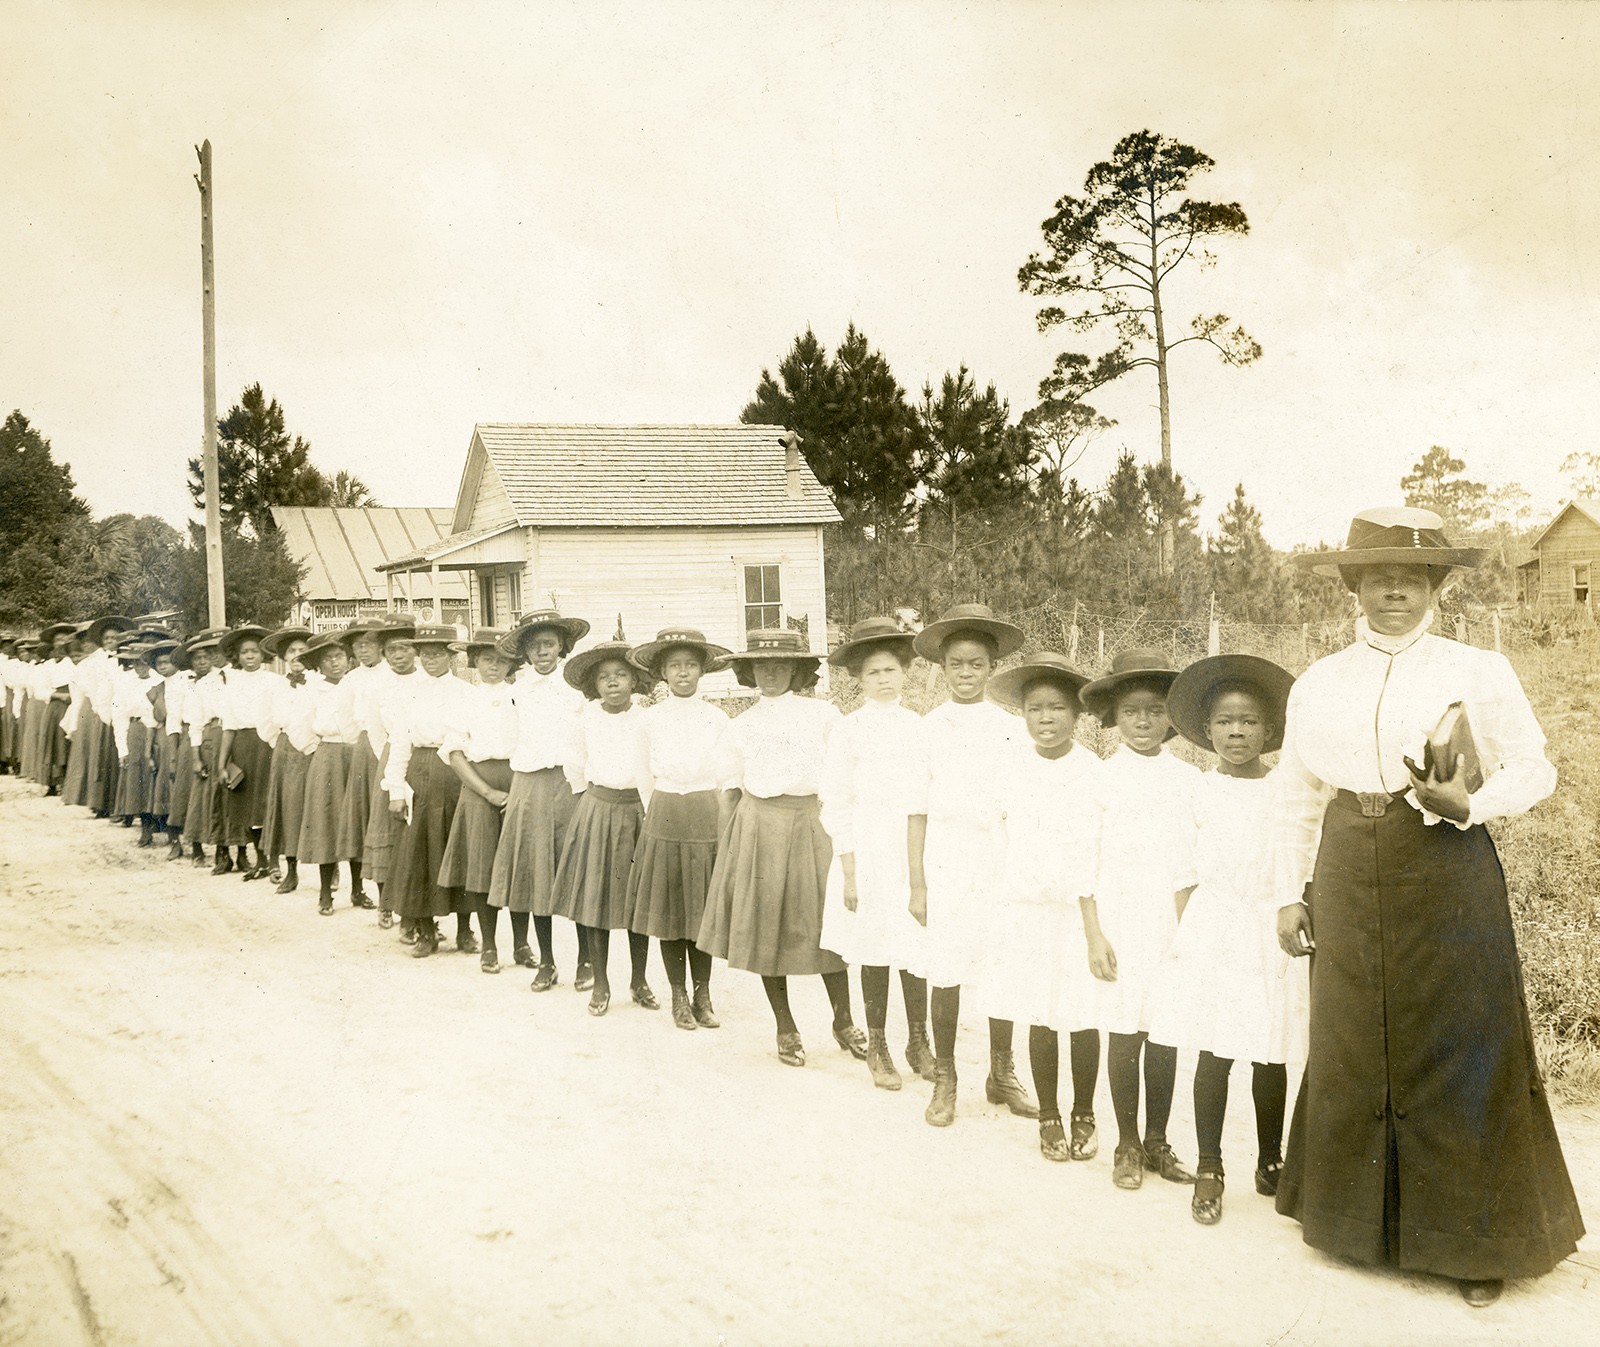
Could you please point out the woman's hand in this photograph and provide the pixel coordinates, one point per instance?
(1102, 958)
(919, 903)
(496, 799)
(1294, 930)
(398, 808)
(850, 896)
(1445, 796)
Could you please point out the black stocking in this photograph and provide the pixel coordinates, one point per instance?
(1122, 1070)
(638, 956)
(915, 992)
(488, 919)
(598, 944)
(355, 880)
(699, 965)
(777, 990)
(673, 954)
(1044, 1054)
(1085, 1048)
(838, 985)
(541, 930)
(1210, 1107)
(1160, 1080)
(1269, 1084)
(1000, 1037)
(325, 873)
(946, 1015)
(874, 995)
(519, 929)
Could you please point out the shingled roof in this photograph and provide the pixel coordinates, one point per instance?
(341, 548)
(590, 476)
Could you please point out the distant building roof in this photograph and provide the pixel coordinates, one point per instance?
(650, 476)
(455, 543)
(1586, 506)
(342, 548)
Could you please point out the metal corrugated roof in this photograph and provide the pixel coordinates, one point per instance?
(341, 548)
(650, 476)
(453, 542)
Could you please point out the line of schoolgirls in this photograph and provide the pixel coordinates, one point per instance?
(1124, 902)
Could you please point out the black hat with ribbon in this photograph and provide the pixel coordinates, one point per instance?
(1390, 535)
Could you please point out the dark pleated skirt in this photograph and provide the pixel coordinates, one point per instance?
(110, 769)
(764, 907)
(245, 809)
(361, 784)
(531, 838)
(269, 824)
(286, 808)
(10, 732)
(672, 867)
(1422, 1137)
(200, 820)
(413, 887)
(53, 744)
(326, 785)
(166, 764)
(134, 782)
(378, 840)
(475, 835)
(80, 756)
(182, 781)
(592, 879)
(22, 743)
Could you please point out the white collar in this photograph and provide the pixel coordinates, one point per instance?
(1392, 645)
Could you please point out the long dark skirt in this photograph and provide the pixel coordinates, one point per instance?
(592, 879)
(1422, 1137)
(286, 808)
(475, 835)
(166, 765)
(326, 784)
(53, 744)
(245, 809)
(378, 842)
(531, 838)
(10, 731)
(182, 780)
(134, 780)
(361, 784)
(274, 787)
(75, 789)
(413, 887)
(110, 769)
(764, 908)
(25, 750)
(673, 866)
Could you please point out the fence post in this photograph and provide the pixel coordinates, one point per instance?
(1461, 628)
(1214, 638)
(1497, 630)
(1102, 631)
(1305, 640)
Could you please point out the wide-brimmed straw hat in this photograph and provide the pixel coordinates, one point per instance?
(318, 646)
(433, 633)
(768, 644)
(1388, 535)
(279, 641)
(245, 631)
(1006, 687)
(156, 649)
(872, 633)
(572, 629)
(1189, 698)
(1127, 666)
(371, 626)
(393, 625)
(482, 639)
(96, 630)
(208, 639)
(579, 670)
(133, 652)
(648, 656)
(977, 618)
(47, 637)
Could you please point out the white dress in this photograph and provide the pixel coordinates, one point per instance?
(1146, 856)
(1036, 971)
(969, 747)
(1227, 988)
(874, 778)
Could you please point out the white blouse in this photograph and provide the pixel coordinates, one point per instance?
(204, 704)
(1354, 715)
(876, 763)
(547, 709)
(606, 750)
(246, 702)
(969, 746)
(179, 687)
(130, 701)
(486, 729)
(1147, 835)
(291, 709)
(331, 721)
(94, 677)
(1051, 811)
(777, 746)
(682, 740)
(417, 714)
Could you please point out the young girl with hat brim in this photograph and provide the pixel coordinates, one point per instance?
(763, 910)
(602, 768)
(55, 690)
(163, 752)
(330, 744)
(99, 674)
(1419, 1030)
(368, 675)
(683, 747)
(1228, 993)
(423, 793)
(1050, 816)
(383, 701)
(201, 709)
(540, 803)
(1146, 871)
(287, 731)
(954, 850)
(874, 778)
(246, 710)
(75, 782)
(478, 747)
(133, 725)
(179, 687)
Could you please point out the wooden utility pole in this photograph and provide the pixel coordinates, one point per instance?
(208, 313)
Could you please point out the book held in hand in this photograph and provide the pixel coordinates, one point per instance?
(1452, 739)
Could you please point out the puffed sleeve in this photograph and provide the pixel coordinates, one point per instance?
(575, 756)
(730, 755)
(836, 788)
(464, 708)
(394, 713)
(122, 711)
(1302, 796)
(1517, 774)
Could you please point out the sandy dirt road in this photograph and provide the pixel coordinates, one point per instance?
(225, 1120)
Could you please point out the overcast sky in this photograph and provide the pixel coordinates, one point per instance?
(430, 215)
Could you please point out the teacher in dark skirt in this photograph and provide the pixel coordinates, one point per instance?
(1422, 1138)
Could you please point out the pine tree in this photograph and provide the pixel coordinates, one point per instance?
(1247, 576)
(40, 515)
(259, 465)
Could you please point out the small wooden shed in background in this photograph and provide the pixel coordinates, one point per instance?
(1566, 559)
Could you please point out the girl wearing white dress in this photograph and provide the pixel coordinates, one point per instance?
(288, 732)
(874, 779)
(246, 706)
(1228, 992)
(1050, 810)
(330, 747)
(368, 672)
(682, 749)
(1146, 866)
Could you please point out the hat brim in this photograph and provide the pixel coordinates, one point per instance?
(1331, 563)
(472, 649)
(852, 651)
(743, 665)
(576, 628)
(1007, 685)
(929, 642)
(577, 668)
(711, 656)
(1097, 695)
(1187, 697)
(96, 630)
(49, 634)
(231, 642)
(279, 641)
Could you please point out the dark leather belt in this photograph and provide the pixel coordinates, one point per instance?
(1367, 803)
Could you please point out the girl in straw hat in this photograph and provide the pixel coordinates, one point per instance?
(179, 688)
(381, 701)
(602, 768)
(133, 727)
(201, 708)
(539, 804)
(682, 746)
(954, 850)
(368, 673)
(288, 731)
(874, 779)
(1146, 871)
(1228, 992)
(246, 707)
(329, 744)
(1050, 810)
(478, 746)
(764, 907)
(1422, 1137)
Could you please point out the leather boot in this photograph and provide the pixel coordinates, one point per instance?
(1003, 1087)
(919, 1053)
(884, 1075)
(147, 832)
(941, 1111)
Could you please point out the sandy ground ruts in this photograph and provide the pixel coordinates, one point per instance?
(226, 1120)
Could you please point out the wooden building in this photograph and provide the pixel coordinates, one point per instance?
(341, 550)
(715, 527)
(1566, 559)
